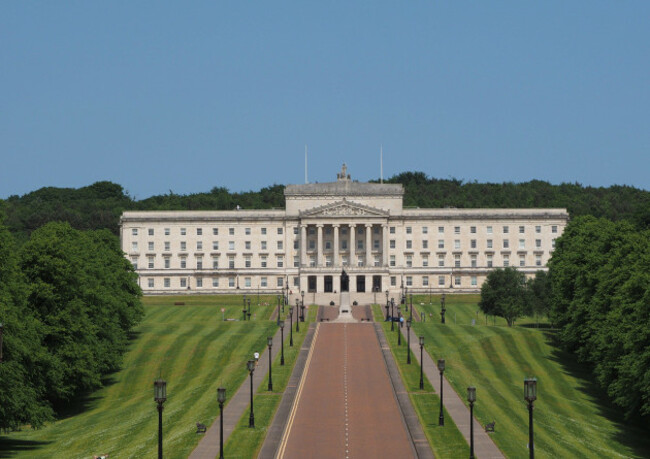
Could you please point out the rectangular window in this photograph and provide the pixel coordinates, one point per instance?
(522, 230)
(441, 243)
(472, 243)
(409, 230)
(215, 232)
(473, 281)
(134, 262)
(457, 244)
(215, 245)
(150, 246)
(506, 260)
(167, 231)
(473, 261)
(409, 261)
(441, 281)
(409, 281)
(328, 261)
(425, 261)
(263, 245)
(263, 261)
(456, 229)
(377, 261)
(392, 230)
(231, 282)
(553, 229)
(296, 244)
(457, 280)
(392, 260)
(183, 231)
(489, 243)
(392, 243)
(280, 261)
(360, 244)
(295, 230)
(489, 261)
(199, 245)
(247, 282)
(441, 230)
(150, 261)
(134, 246)
(134, 231)
(199, 282)
(215, 263)
(472, 229)
(425, 281)
(328, 245)
(538, 260)
(199, 263)
(296, 262)
(409, 244)
(247, 262)
(553, 243)
(393, 281)
(296, 282)
(183, 263)
(522, 260)
(344, 245)
(263, 282)
(312, 261)
(538, 243)
(522, 243)
(247, 245)
(167, 246)
(425, 244)
(231, 231)
(375, 229)
(150, 231)
(150, 282)
(263, 231)
(167, 262)
(215, 282)
(489, 230)
(247, 231)
(280, 245)
(279, 282)
(166, 282)
(538, 229)
(231, 262)
(183, 246)
(231, 245)
(506, 244)
(441, 261)
(425, 230)
(360, 261)
(199, 231)
(280, 231)
(457, 261)
(506, 230)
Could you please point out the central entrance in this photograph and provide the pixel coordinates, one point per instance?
(345, 281)
(361, 284)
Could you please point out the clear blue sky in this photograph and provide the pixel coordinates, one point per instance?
(185, 96)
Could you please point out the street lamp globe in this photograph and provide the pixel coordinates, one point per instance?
(250, 365)
(269, 340)
(421, 340)
(281, 323)
(471, 394)
(160, 390)
(441, 365)
(530, 389)
(221, 391)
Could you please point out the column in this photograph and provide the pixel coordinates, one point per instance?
(385, 236)
(303, 245)
(353, 229)
(368, 244)
(335, 255)
(319, 246)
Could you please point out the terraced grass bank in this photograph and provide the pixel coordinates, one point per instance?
(194, 350)
(571, 418)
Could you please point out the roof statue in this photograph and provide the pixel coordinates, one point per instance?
(343, 175)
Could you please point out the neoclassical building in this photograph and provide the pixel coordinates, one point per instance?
(358, 232)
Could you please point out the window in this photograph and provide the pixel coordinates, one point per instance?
(280, 245)
(554, 229)
(506, 260)
(360, 262)
(522, 260)
(247, 231)
(489, 230)
(231, 231)
(215, 282)
(199, 245)
(538, 229)
(295, 230)
(279, 281)
(377, 261)
(280, 231)
(134, 262)
(538, 260)
(441, 230)
(489, 261)
(215, 245)
(328, 260)
(393, 281)
(215, 262)
(392, 260)
(506, 230)
(166, 282)
(280, 261)
(183, 262)
(183, 246)
(473, 281)
(473, 261)
(553, 243)
(456, 229)
(199, 263)
(425, 261)
(392, 243)
(489, 243)
(360, 244)
(441, 261)
(150, 262)
(472, 229)
(199, 282)
(457, 261)
(522, 243)
(247, 261)
(199, 231)
(215, 232)
(425, 244)
(183, 231)
(375, 229)
(457, 280)
(231, 282)
(312, 230)
(344, 260)
(425, 281)
(457, 244)
(392, 230)
(360, 231)
(312, 244)
(409, 230)
(247, 282)
(296, 244)
(409, 281)
(506, 244)
(150, 282)
(425, 230)
(263, 245)
(296, 262)
(263, 261)
(150, 231)
(296, 282)
(538, 243)
(231, 262)
(263, 231)
(231, 245)
(263, 282)
(167, 246)
(134, 231)
(409, 261)
(312, 261)
(472, 243)
(441, 243)
(409, 244)
(167, 262)
(344, 245)
(134, 246)
(247, 245)
(522, 230)
(150, 246)
(441, 280)
(183, 282)
(375, 244)
(167, 231)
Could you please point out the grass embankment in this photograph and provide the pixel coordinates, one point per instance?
(193, 349)
(446, 441)
(571, 418)
(245, 442)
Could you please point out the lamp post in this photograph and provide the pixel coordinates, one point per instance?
(392, 305)
(411, 306)
(291, 326)
(442, 308)
(471, 398)
(530, 395)
(441, 368)
(160, 395)
(297, 315)
(411, 301)
(221, 398)
(249, 309)
(251, 368)
(421, 362)
(269, 340)
(408, 341)
(302, 306)
(399, 325)
(279, 297)
(282, 342)
(387, 305)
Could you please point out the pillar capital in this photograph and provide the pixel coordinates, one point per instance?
(368, 225)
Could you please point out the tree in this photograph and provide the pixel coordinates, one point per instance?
(538, 295)
(503, 294)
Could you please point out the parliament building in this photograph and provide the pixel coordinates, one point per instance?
(333, 237)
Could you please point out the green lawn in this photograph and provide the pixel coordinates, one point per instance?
(446, 441)
(572, 419)
(245, 442)
(193, 349)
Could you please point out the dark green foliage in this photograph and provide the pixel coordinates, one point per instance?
(504, 294)
(600, 284)
(538, 295)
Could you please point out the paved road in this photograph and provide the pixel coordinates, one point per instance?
(346, 406)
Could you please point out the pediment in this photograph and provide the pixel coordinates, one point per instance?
(344, 208)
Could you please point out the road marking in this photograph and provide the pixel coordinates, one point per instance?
(292, 415)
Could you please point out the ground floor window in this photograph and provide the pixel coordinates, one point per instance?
(199, 282)
(409, 281)
(166, 282)
(183, 282)
(425, 281)
(215, 282)
(263, 282)
(441, 280)
(474, 281)
(247, 282)
(150, 282)
(393, 281)
(296, 282)
(231, 282)
(457, 280)
(280, 282)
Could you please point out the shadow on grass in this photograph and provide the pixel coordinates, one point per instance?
(541, 325)
(633, 433)
(9, 447)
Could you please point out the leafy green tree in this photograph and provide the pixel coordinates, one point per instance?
(503, 294)
(538, 295)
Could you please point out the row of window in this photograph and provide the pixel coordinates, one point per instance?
(151, 246)
(199, 231)
(473, 229)
(231, 282)
(473, 244)
(473, 261)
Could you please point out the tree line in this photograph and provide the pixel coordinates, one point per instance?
(68, 301)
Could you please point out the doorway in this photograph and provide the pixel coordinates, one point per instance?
(311, 284)
(376, 283)
(329, 284)
(361, 284)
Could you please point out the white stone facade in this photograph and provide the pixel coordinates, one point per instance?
(326, 228)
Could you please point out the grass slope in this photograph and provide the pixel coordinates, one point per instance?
(571, 418)
(193, 349)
